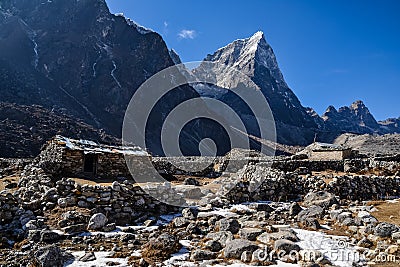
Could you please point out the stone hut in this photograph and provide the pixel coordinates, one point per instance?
(327, 152)
(87, 159)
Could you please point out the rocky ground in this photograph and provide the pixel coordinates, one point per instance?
(371, 145)
(49, 221)
(25, 129)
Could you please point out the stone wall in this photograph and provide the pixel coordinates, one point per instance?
(391, 164)
(9, 166)
(123, 203)
(317, 165)
(259, 182)
(170, 165)
(330, 154)
(219, 165)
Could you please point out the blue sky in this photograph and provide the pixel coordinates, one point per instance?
(331, 52)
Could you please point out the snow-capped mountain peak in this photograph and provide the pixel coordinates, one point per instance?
(249, 54)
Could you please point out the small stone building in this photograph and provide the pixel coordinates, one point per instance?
(87, 159)
(325, 152)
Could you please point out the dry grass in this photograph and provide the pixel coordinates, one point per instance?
(8, 179)
(387, 211)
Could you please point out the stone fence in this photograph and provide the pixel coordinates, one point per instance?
(125, 202)
(9, 166)
(258, 182)
(391, 164)
(217, 165)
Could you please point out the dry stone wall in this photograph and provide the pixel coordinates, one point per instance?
(258, 182)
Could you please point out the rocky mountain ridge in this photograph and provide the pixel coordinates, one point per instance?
(295, 124)
(76, 56)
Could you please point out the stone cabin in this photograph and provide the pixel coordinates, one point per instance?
(86, 159)
(326, 152)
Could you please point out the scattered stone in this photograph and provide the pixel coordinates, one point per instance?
(231, 225)
(97, 221)
(386, 229)
(250, 233)
(213, 245)
(286, 245)
(322, 199)
(89, 256)
(190, 213)
(49, 256)
(201, 255)
(222, 237)
(236, 247)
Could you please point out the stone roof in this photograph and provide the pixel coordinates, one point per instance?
(88, 146)
(327, 147)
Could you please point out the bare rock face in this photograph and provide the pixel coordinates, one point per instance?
(77, 57)
(255, 58)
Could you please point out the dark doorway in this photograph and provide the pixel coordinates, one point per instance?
(90, 164)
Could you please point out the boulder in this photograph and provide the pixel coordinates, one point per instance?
(294, 209)
(213, 245)
(250, 233)
(312, 212)
(286, 245)
(49, 256)
(235, 248)
(231, 225)
(322, 199)
(49, 236)
(222, 237)
(201, 255)
(89, 256)
(386, 229)
(97, 221)
(74, 229)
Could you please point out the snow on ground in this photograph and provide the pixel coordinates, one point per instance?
(279, 264)
(121, 231)
(101, 260)
(335, 248)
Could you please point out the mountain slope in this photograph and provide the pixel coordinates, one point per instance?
(24, 129)
(76, 56)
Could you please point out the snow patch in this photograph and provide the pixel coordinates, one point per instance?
(141, 29)
(336, 248)
(113, 74)
(101, 260)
